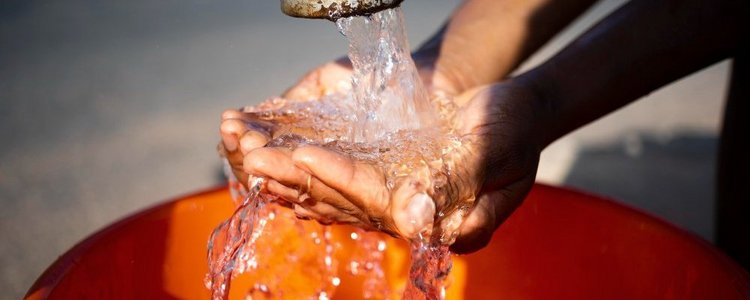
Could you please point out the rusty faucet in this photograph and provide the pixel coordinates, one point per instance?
(334, 9)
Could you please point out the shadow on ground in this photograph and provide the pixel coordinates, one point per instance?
(670, 176)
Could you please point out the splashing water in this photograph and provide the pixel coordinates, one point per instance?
(388, 93)
(247, 241)
(231, 247)
(430, 266)
(385, 118)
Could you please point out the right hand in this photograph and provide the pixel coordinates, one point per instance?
(499, 166)
(241, 132)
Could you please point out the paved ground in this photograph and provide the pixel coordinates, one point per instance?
(109, 107)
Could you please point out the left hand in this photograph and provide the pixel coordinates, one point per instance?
(498, 164)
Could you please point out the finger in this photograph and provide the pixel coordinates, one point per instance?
(412, 210)
(244, 131)
(283, 203)
(237, 134)
(235, 167)
(232, 114)
(305, 89)
(361, 183)
(321, 193)
(289, 195)
(320, 81)
(276, 163)
(329, 214)
(285, 193)
(253, 139)
(304, 214)
(477, 229)
(491, 209)
(322, 212)
(236, 126)
(334, 76)
(230, 131)
(245, 116)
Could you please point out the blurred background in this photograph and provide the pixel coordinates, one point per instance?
(109, 107)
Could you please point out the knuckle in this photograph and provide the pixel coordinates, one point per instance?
(228, 114)
(231, 126)
(349, 210)
(253, 165)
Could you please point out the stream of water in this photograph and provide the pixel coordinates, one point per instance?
(385, 118)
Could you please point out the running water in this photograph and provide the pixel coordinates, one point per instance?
(388, 94)
(246, 242)
(385, 118)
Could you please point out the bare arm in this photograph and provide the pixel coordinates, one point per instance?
(639, 48)
(485, 40)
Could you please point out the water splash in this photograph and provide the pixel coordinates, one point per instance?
(231, 247)
(430, 267)
(248, 244)
(388, 93)
(385, 118)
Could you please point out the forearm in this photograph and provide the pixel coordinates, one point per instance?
(639, 48)
(485, 40)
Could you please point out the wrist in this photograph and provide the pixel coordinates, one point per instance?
(450, 69)
(544, 106)
(437, 73)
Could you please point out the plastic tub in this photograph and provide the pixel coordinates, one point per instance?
(560, 244)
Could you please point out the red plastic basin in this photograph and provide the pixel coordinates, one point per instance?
(560, 244)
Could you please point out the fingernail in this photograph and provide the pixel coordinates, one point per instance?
(230, 143)
(301, 213)
(245, 146)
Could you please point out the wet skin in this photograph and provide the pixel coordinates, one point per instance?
(639, 48)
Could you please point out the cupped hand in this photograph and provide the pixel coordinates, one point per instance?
(242, 132)
(496, 165)
(504, 121)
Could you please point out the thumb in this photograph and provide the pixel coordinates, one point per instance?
(477, 229)
(491, 210)
(412, 209)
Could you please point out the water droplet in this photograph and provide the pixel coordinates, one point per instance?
(328, 261)
(380, 119)
(381, 246)
(323, 296)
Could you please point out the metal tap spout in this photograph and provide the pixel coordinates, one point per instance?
(334, 9)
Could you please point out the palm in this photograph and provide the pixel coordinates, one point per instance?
(503, 157)
(330, 187)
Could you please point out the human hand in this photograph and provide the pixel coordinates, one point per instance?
(504, 121)
(242, 132)
(497, 163)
